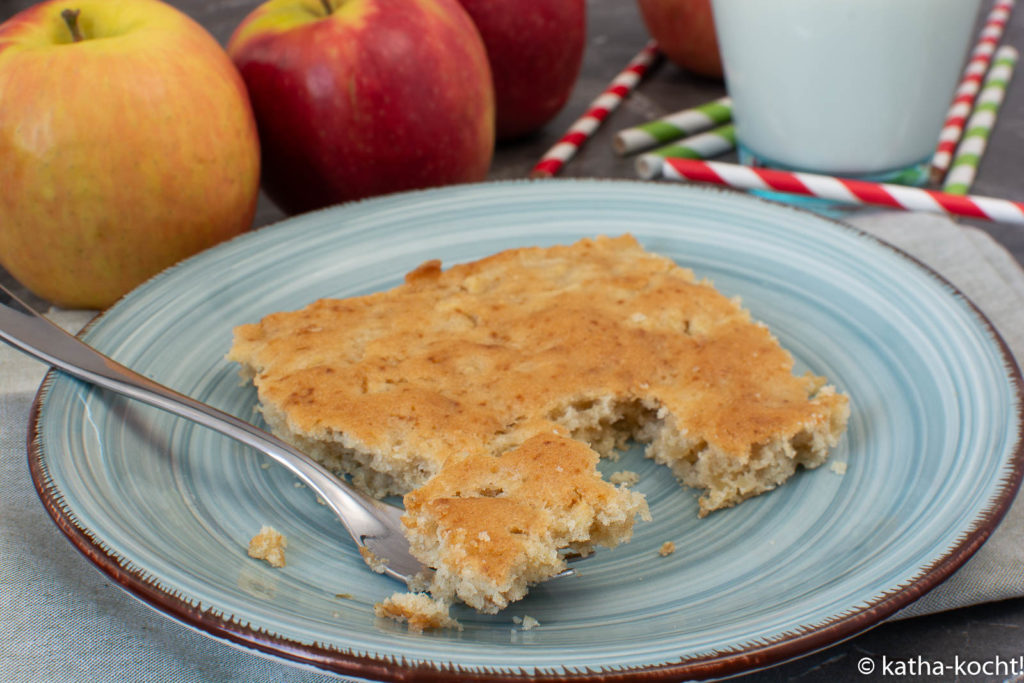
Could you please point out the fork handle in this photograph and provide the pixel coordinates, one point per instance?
(31, 333)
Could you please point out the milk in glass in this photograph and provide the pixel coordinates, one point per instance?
(852, 87)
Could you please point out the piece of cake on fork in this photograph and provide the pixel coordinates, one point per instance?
(493, 525)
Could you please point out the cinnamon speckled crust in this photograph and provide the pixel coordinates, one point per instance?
(600, 341)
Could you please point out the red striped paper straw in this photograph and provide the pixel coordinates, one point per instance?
(844, 190)
(564, 150)
(970, 85)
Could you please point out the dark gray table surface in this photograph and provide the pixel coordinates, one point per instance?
(616, 33)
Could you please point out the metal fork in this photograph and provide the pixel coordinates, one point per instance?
(375, 526)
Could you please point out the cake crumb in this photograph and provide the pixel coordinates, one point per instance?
(418, 610)
(838, 467)
(624, 478)
(667, 548)
(375, 563)
(268, 545)
(526, 622)
(420, 582)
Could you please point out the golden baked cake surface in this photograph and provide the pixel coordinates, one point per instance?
(485, 392)
(599, 339)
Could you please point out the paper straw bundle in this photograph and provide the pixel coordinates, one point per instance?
(673, 127)
(700, 146)
(844, 190)
(970, 84)
(972, 146)
(556, 157)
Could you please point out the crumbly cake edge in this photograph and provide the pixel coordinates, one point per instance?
(612, 526)
(606, 425)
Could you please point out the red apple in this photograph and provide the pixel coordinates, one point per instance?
(535, 48)
(355, 98)
(685, 31)
(127, 143)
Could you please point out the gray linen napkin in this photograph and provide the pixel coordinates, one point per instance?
(60, 619)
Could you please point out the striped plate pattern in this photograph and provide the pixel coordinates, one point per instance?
(933, 450)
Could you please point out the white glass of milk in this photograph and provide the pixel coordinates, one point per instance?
(844, 87)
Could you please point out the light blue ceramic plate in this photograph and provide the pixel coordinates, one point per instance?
(933, 449)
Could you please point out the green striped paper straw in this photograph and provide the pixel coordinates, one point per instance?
(701, 146)
(673, 127)
(972, 146)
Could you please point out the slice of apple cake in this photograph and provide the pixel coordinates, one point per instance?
(600, 340)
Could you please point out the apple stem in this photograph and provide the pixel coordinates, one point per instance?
(70, 17)
(327, 7)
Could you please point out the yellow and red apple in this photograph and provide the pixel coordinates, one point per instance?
(355, 98)
(685, 31)
(126, 144)
(535, 48)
